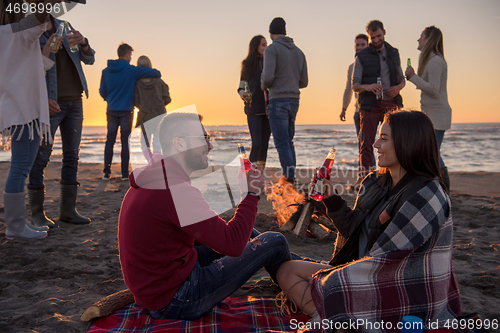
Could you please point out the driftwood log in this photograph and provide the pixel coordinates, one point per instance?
(108, 305)
(321, 220)
(318, 230)
(304, 220)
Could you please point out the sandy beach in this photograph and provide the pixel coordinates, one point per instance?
(45, 285)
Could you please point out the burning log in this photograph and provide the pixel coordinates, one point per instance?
(304, 220)
(292, 221)
(318, 230)
(321, 220)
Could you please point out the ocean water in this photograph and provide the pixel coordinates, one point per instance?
(466, 147)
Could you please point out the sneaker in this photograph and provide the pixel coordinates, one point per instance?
(125, 178)
(106, 176)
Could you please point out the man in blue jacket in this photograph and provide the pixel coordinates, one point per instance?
(65, 84)
(117, 89)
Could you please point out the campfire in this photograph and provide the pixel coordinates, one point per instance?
(295, 212)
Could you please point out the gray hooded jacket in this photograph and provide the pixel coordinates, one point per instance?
(285, 69)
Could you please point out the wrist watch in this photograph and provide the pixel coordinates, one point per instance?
(86, 43)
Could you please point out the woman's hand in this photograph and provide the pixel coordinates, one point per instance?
(242, 94)
(329, 188)
(409, 72)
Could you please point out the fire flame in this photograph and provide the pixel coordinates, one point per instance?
(282, 194)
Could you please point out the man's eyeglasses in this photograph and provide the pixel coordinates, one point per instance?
(207, 137)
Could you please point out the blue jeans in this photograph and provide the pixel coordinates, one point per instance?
(122, 119)
(260, 132)
(282, 114)
(439, 138)
(69, 121)
(215, 276)
(23, 154)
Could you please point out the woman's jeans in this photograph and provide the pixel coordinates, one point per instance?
(23, 155)
(282, 114)
(69, 121)
(260, 131)
(215, 276)
(439, 138)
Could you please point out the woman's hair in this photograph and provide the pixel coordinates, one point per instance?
(415, 143)
(144, 61)
(433, 44)
(10, 17)
(248, 65)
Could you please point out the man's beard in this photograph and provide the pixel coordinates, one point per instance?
(379, 45)
(195, 161)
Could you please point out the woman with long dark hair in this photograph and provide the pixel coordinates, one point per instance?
(431, 79)
(255, 107)
(392, 255)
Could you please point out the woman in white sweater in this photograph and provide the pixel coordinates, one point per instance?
(431, 79)
(24, 111)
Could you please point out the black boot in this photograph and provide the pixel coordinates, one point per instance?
(36, 198)
(67, 211)
(446, 178)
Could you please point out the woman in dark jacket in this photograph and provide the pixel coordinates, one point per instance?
(255, 108)
(151, 97)
(392, 256)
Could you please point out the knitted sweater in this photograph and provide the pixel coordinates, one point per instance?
(285, 69)
(434, 96)
(23, 93)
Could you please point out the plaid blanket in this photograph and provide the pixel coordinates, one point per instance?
(408, 271)
(234, 314)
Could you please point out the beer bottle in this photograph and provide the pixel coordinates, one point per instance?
(72, 47)
(244, 158)
(54, 45)
(248, 93)
(317, 190)
(379, 82)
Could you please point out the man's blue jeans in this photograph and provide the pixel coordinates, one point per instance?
(23, 152)
(260, 132)
(282, 114)
(122, 119)
(215, 276)
(69, 121)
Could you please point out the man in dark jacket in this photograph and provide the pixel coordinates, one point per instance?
(284, 73)
(378, 61)
(117, 88)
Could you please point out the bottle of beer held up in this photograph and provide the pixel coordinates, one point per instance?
(54, 44)
(317, 190)
(244, 158)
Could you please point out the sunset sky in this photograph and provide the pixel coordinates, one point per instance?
(199, 45)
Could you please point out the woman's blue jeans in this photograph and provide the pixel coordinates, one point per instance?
(439, 138)
(23, 155)
(215, 276)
